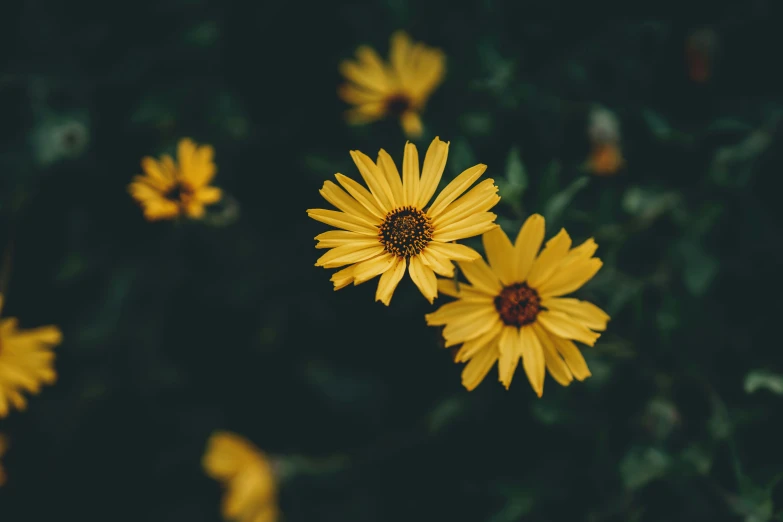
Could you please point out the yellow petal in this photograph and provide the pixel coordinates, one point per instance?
(360, 194)
(527, 245)
(432, 171)
(533, 358)
(161, 179)
(208, 195)
(411, 124)
(410, 174)
(510, 352)
(349, 254)
(572, 356)
(439, 264)
(457, 311)
(389, 281)
(359, 96)
(455, 189)
(470, 326)
(375, 179)
(555, 364)
(342, 220)
(563, 326)
(465, 291)
(481, 276)
(453, 251)
(369, 79)
(569, 278)
(582, 311)
(341, 200)
(335, 238)
(466, 207)
(479, 367)
(553, 253)
(389, 169)
(366, 113)
(500, 254)
(376, 266)
(343, 278)
(490, 338)
(399, 52)
(424, 278)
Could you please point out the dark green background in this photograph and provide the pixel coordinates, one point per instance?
(174, 331)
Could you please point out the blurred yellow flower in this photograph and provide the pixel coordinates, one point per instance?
(513, 308)
(605, 159)
(167, 189)
(399, 89)
(246, 475)
(385, 230)
(3, 449)
(26, 362)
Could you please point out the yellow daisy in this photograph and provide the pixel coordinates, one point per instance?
(513, 308)
(3, 449)
(399, 89)
(167, 189)
(246, 475)
(26, 362)
(385, 229)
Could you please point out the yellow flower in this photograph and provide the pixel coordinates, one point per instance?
(3, 449)
(399, 89)
(167, 190)
(246, 475)
(513, 308)
(605, 159)
(386, 229)
(26, 362)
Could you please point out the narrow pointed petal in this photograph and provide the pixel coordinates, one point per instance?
(432, 171)
(453, 251)
(533, 358)
(342, 220)
(481, 276)
(360, 194)
(478, 367)
(582, 311)
(510, 352)
(527, 245)
(570, 278)
(563, 326)
(375, 179)
(555, 364)
(389, 281)
(553, 253)
(500, 254)
(424, 278)
(389, 169)
(374, 267)
(410, 174)
(455, 189)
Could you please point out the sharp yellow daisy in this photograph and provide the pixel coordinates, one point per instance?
(514, 308)
(168, 190)
(386, 229)
(26, 361)
(246, 475)
(399, 89)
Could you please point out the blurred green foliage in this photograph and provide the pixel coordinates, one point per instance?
(174, 330)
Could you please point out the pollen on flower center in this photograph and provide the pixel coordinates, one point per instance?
(518, 304)
(405, 232)
(397, 105)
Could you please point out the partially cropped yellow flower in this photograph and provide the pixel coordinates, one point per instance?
(3, 449)
(246, 475)
(167, 189)
(26, 362)
(399, 88)
(513, 308)
(386, 229)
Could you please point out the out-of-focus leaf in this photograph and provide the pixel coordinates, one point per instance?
(519, 502)
(761, 379)
(558, 203)
(477, 123)
(641, 466)
(657, 124)
(732, 165)
(461, 156)
(698, 458)
(445, 413)
(515, 170)
(700, 267)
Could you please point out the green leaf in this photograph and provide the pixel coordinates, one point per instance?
(558, 203)
(700, 268)
(515, 170)
(761, 379)
(640, 466)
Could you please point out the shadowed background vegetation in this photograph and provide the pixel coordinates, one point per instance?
(173, 330)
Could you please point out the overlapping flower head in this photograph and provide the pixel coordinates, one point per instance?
(514, 308)
(26, 361)
(386, 229)
(246, 475)
(170, 189)
(398, 89)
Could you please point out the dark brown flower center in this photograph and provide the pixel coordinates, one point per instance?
(405, 232)
(398, 104)
(518, 304)
(179, 193)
